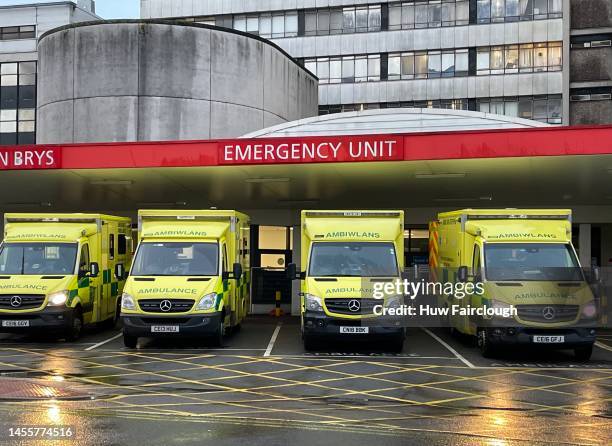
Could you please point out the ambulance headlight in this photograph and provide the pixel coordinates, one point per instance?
(207, 302)
(127, 302)
(589, 310)
(313, 303)
(57, 299)
(393, 302)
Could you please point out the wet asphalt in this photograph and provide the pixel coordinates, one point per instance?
(439, 390)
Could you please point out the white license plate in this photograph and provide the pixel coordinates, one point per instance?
(549, 339)
(164, 329)
(354, 330)
(15, 323)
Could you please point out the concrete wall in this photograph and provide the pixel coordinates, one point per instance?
(132, 81)
(591, 112)
(591, 13)
(591, 64)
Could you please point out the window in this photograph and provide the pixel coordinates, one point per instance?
(462, 13)
(348, 69)
(348, 22)
(121, 244)
(435, 14)
(421, 15)
(394, 63)
(483, 11)
(278, 26)
(554, 56)
(526, 58)
(461, 63)
(323, 68)
(420, 65)
(252, 24)
(511, 108)
(17, 32)
(291, 24)
(361, 69)
(374, 18)
(17, 102)
(525, 108)
(543, 108)
(497, 10)
(540, 9)
(373, 68)
(323, 22)
(84, 260)
(448, 64)
(448, 14)
(265, 26)
(240, 23)
(540, 57)
(407, 66)
(511, 59)
(335, 21)
(554, 110)
(335, 70)
(512, 10)
(361, 20)
(496, 60)
(310, 23)
(540, 109)
(526, 9)
(555, 8)
(482, 61)
(408, 17)
(111, 246)
(395, 17)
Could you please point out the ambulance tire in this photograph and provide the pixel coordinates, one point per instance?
(583, 354)
(217, 338)
(310, 343)
(484, 344)
(396, 345)
(236, 328)
(75, 331)
(130, 341)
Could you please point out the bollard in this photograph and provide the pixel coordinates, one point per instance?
(277, 311)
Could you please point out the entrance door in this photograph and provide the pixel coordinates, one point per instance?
(272, 252)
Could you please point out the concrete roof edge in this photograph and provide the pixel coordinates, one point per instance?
(176, 23)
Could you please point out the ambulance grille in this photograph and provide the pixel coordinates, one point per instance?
(161, 305)
(547, 313)
(21, 301)
(343, 306)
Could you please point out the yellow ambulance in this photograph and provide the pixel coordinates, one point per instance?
(190, 275)
(344, 254)
(61, 271)
(525, 262)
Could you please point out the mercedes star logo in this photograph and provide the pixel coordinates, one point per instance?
(165, 305)
(16, 301)
(354, 305)
(548, 313)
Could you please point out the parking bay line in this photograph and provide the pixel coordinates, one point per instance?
(449, 348)
(104, 342)
(273, 339)
(604, 346)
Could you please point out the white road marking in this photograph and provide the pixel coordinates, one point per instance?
(604, 346)
(273, 339)
(449, 348)
(104, 342)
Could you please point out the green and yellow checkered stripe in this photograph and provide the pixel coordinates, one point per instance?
(242, 288)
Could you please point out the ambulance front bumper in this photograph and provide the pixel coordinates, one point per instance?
(322, 325)
(48, 320)
(200, 325)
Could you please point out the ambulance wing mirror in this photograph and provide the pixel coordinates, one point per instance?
(292, 272)
(462, 274)
(94, 269)
(237, 271)
(119, 271)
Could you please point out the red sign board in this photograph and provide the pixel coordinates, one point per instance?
(27, 158)
(311, 150)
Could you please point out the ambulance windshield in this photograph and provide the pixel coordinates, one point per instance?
(38, 258)
(531, 261)
(353, 259)
(176, 259)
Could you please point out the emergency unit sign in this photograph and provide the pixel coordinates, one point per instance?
(29, 158)
(275, 151)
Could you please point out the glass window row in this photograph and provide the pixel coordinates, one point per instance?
(540, 108)
(17, 32)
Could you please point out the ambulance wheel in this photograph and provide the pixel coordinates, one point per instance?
(217, 339)
(583, 353)
(309, 343)
(396, 344)
(130, 341)
(75, 330)
(484, 343)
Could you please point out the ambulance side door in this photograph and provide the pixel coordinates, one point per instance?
(87, 285)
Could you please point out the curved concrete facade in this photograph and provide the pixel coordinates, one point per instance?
(153, 80)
